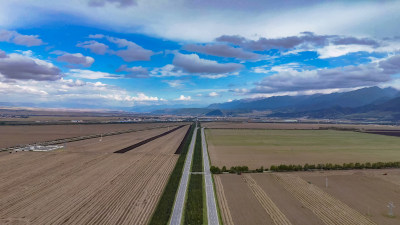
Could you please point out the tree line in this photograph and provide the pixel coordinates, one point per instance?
(307, 167)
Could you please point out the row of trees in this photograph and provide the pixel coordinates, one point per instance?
(164, 208)
(307, 167)
(330, 166)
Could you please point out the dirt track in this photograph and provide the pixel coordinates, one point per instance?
(86, 183)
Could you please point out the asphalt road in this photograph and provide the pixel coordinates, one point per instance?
(212, 213)
(177, 213)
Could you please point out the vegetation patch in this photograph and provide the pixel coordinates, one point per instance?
(164, 208)
(194, 202)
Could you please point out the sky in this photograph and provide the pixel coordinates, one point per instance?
(140, 55)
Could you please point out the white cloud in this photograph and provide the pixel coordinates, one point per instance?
(174, 83)
(184, 98)
(89, 74)
(177, 20)
(213, 94)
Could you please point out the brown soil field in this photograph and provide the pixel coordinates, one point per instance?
(20, 135)
(352, 197)
(369, 192)
(255, 148)
(293, 126)
(86, 183)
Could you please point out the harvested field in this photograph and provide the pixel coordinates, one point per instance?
(352, 197)
(242, 204)
(19, 135)
(293, 126)
(86, 183)
(369, 192)
(256, 148)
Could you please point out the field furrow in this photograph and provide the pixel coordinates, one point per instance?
(274, 212)
(330, 210)
(223, 204)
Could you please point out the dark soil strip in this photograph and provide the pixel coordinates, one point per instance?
(127, 149)
(387, 133)
(184, 140)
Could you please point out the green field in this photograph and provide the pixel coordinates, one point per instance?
(255, 148)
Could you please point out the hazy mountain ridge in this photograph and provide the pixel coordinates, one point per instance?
(362, 104)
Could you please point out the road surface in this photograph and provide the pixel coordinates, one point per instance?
(212, 213)
(180, 197)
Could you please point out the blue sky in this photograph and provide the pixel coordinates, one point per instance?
(138, 55)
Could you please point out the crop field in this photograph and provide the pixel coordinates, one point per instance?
(352, 197)
(19, 135)
(86, 183)
(256, 148)
(293, 126)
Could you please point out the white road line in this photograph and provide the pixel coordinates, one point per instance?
(212, 213)
(180, 197)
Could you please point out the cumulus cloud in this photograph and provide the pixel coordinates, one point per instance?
(222, 51)
(94, 46)
(19, 39)
(134, 72)
(289, 79)
(2, 54)
(184, 98)
(133, 52)
(92, 75)
(168, 70)
(391, 65)
(70, 92)
(76, 58)
(24, 67)
(304, 40)
(120, 3)
(192, 63)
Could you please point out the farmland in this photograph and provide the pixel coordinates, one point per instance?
(19, 135)
(352, 197)
(295, 126)
(86, 183)
(256, 148)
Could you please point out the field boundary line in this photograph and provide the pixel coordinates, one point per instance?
(273, 211)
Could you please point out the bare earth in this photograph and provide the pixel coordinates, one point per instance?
(18, 135)
(292, 126)
(352, 197)
(255, 148)
(86, 183)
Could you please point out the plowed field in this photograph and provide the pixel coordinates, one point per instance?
(86, 183)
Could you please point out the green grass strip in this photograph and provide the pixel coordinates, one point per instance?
(166, 203)
(197, 164)
(194, 203)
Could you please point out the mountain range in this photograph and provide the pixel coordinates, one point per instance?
(371, 103)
